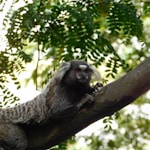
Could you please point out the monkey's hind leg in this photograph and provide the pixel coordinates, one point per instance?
(12, 137)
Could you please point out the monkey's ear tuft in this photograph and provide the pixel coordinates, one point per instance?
(96, 75)
(62, 70)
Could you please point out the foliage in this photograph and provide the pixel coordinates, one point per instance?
(73, 30)
(123, 17)
(9, 66)
(64, 145)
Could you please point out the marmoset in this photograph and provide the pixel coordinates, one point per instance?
(64, 95)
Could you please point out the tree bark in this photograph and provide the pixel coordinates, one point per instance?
(109, 100)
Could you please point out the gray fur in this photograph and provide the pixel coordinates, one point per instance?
(62, 97)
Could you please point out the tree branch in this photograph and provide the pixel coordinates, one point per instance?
(112, 98)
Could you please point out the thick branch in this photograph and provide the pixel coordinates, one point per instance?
(112, 98)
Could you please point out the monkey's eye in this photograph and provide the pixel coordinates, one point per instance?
(78, 69)
(88, 70)
(81, 70)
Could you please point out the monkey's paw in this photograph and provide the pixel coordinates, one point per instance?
(98, 87)
(90, 99)
(87, 99)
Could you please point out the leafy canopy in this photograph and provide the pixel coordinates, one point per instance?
(67, 30)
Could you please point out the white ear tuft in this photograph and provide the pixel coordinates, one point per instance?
(96, 75)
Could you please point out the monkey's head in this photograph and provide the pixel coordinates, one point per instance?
(76, 73)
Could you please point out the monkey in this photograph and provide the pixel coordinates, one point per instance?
(65, 94)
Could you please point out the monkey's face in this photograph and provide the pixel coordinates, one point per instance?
(78, 75)
(83, 74)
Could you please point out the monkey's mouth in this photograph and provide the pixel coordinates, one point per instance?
(83, 79)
